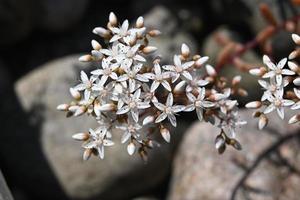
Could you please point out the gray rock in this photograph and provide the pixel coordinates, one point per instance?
(58, 15)
(119, 175)
(4, 191)
(169, 42)
(16, 20)
(200, 173)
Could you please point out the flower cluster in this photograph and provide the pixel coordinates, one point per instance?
(276, 96)
(139, 95)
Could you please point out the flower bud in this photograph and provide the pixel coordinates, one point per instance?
(148, 120)
(131, 148)
(75, 94)
(210, 70)
(296, 81)
(185, 50)
(154, 33)
(81, 136)
(140, 22)
(199, 62)
(87, 154)
(102, 32)
(96, 46)
(62, 107)
(149, 49)
(293, 66)
(294, 119)
(262, 122)
(253, 104)
(165, 133)
(296, 38)
(220, 144)
(85, 58)
(113, 19)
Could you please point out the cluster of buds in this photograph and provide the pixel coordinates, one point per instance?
(276, 95)
(132, 91)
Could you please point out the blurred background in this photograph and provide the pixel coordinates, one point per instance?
(40, 42)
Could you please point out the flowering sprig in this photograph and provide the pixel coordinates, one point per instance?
(131, 92)
(276, 96)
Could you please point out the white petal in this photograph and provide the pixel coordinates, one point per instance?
(280, 112)
(287, 72)
(125, 137)
(281, 63)
(123, 110)
(269, 109)
(166, 85)
(172, 119)
(84, 77)
(269, 74)
(165, 133)
(161, 117)
(169, 100)
(199, 113)
(187, 75)
(108, 143)
(177, 60)
(154, 86)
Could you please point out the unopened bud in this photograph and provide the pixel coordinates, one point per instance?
(62, 107)
(85, 58)
(81, 136)
(149, 49)
(148, 120)
(140, 22)
(113, 19)
(210, 70)
(220, 144)
(131, 148)
(154, 33)
(75, 94)
(87, 154)
(262, 122)
(80, 110)
(185, 50)
(165, 133)
(296, 38)
(294, 119)
(107, 107)
(296, 81)
(253, 104)
(102, 32)
(293, 66)
(96, 46)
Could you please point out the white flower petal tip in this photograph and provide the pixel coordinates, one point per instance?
(131, 148)
(256, 72)
(113, 20)
(148, 120)
(185, 50)
(63, 107)
(297, 81)
(253, 104)
(81, 136)
(165, 133)
(294, 119)
(149, 49)
(201, 61)
(296, 38)
(85, 58)
(210, 70)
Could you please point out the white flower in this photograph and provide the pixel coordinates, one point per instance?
(271, 87)
(116, 53)
(278, 103)
(231, 121)
(169, 110)
(85, 85)
(198, 103)
(195, 84)
(98, 141)
(180, 69)
(132, 76)
(120, 32)
(131, 56)
(107, 71)
(130, 130)
(159, 78)
(276, 70)
(134, 103)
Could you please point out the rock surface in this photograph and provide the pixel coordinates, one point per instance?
(4, 191)
(200, 173)
(119, 175)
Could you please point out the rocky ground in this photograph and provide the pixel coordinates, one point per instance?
(38, 63)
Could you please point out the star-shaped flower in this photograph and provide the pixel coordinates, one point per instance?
(278, 103)
(106, 71)
(198, 103)
(158, 78)
(134, 103)
(98, 141)
(179, 69)
(85, 85)
(276, 70)
(169, 110)
(131, 129)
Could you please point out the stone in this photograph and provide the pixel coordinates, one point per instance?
(200, 173)
(171, 39)
(49, 150)
(5, 193)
